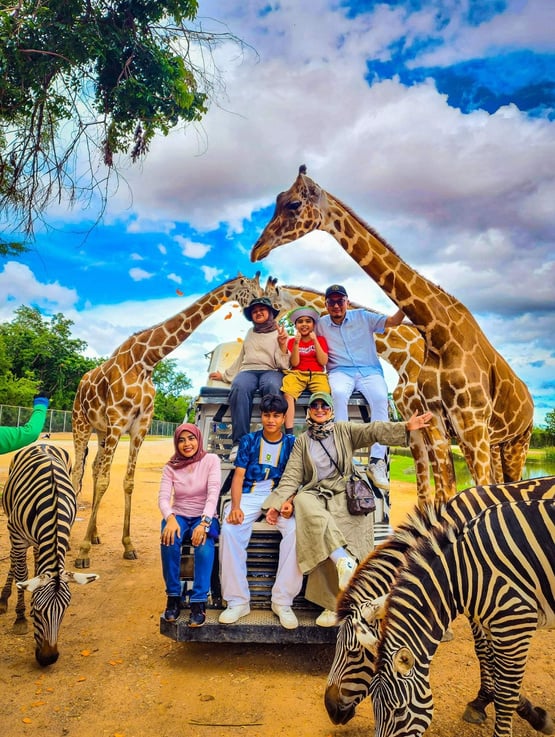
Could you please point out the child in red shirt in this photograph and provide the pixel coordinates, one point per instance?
(308, 358)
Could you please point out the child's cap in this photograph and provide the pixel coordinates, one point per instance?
(303, 312)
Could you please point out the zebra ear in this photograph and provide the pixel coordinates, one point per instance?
(33, 583)
(370, 611)
(81, 578)
(366, 637)
(403, 661)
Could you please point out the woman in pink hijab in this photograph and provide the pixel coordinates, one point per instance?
(187, 499)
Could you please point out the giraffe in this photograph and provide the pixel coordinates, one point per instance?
(468, 386)
(401, 346)
(117, 397)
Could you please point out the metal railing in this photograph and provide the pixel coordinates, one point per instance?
(58, 420)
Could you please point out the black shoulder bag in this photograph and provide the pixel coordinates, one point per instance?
(360, 497)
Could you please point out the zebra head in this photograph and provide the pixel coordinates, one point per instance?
(401, 695)
(49, 601)
(354, 663)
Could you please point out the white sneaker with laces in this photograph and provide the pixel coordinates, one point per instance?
(377, 472)
(233, 453)
(286, 616)
(233, 613)
(327, 618)
(345, 569)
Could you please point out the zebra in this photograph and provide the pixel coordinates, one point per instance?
(40, 504)
(499, 570)
(354, 664)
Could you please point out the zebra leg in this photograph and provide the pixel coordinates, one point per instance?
(475, 711)
(6, 592)
(537, 717)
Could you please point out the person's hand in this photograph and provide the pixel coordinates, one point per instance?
(312, 336)
(217, 375)
(199, 536)
(287, 509)
(272, 516)
(235, 517)
(282, 336)
(41, 400)
(167, 537)
(416, 421)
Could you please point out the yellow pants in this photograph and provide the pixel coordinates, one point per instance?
(295, 382)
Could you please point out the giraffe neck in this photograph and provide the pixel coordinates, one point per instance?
(423, 302)
(150, 346)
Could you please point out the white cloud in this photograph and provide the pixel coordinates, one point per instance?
(140, 274)
(176, 278)
(19, 286)
(191, 249)
(210, 273)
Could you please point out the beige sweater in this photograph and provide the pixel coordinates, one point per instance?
(259, 352)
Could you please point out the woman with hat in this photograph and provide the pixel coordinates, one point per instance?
(258, 366)
(330, 541)
(308, 356)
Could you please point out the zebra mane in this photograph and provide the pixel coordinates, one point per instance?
(389, 558)
(427, 552)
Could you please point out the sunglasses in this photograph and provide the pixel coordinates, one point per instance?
(319, 405)
(336, 302)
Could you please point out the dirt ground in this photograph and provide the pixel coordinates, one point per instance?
(117, 676)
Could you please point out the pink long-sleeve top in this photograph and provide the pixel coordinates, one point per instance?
(191, 491)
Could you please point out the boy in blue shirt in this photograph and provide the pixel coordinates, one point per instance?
(261, 460)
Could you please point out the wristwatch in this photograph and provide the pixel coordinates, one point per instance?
(206, 520)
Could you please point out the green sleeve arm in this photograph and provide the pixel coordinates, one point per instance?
(14, 438)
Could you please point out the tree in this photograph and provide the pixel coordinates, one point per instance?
(550, 422)
(36, 353)
(170, 403)
(79, 77)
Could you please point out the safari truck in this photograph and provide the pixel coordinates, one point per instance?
(261, 625)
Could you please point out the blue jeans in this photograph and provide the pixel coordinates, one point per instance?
(243, 387)
(171, 561)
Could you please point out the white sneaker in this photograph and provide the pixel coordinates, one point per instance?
(377, 472)
(233, 453)
(326, 619)
(345, 569)
(233, 613)
(286, 616)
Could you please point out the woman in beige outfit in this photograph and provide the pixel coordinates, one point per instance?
(330, 541)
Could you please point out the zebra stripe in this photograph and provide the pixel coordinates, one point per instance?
(40, 504)
(354, 663)
(499, 570)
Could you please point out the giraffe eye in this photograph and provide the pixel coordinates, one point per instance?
(293, 205)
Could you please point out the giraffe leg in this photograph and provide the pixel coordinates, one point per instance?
(101, 473)
(80, 447)
(135, 442)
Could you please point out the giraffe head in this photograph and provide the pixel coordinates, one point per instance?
(244, 290)
(298, 211)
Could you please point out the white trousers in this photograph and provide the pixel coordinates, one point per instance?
(373, 388)
(233, 555)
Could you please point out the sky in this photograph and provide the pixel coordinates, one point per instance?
(434, 120)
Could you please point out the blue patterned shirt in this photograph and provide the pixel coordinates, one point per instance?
(248, 457)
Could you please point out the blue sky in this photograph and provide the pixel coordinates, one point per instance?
(433, 120)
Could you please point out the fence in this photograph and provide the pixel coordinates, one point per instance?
(58, 420)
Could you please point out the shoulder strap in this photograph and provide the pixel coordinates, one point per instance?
(329, 456)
